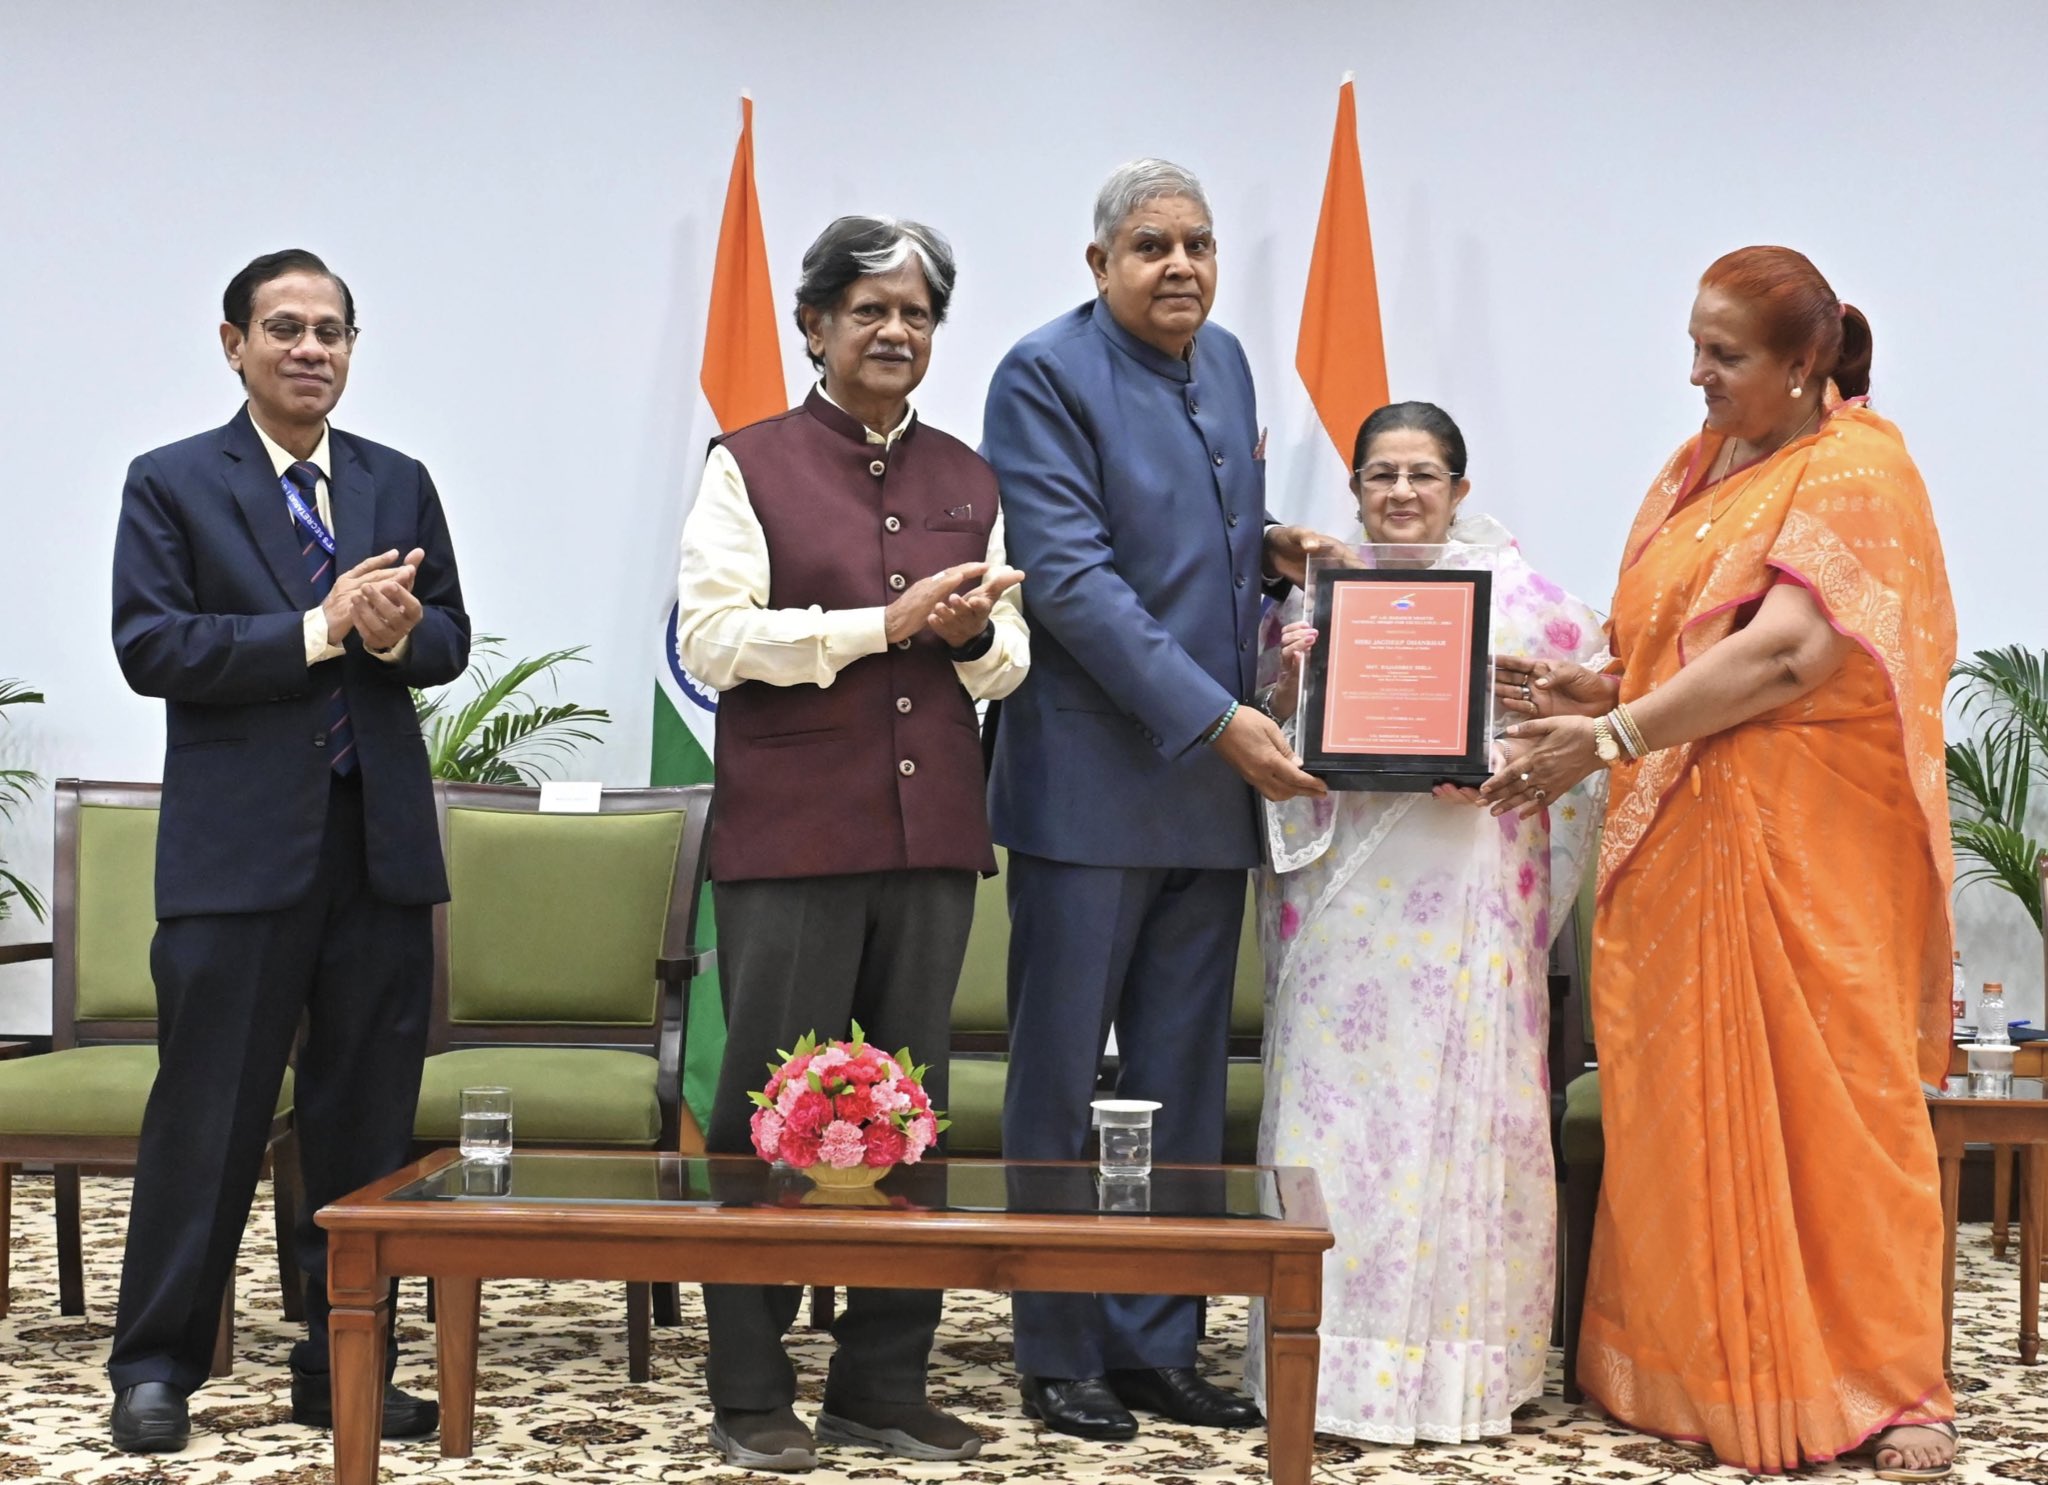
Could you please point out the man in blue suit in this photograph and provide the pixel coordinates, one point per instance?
(280, 584)
(1128, 451)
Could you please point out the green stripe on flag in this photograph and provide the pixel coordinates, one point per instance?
(680, 759)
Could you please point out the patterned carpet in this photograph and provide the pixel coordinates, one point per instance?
(554, 1403)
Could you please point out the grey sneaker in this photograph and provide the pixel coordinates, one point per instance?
(772, 1440)
(907, 1430)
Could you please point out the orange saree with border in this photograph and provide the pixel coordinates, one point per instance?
(1773, 944)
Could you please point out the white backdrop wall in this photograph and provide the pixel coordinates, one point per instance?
(525, 197)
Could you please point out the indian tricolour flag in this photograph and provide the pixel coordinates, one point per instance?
(1340, 354)
(742, 382)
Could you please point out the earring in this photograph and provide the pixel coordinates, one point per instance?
(1798, 391)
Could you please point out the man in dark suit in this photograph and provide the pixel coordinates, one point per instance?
(1126, 441)
(280, 584)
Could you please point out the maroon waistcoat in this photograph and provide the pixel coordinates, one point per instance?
(881, 770)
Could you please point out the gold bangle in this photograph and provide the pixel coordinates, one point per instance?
(1631, 734)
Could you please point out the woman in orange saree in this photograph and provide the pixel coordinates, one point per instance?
(1773, 932)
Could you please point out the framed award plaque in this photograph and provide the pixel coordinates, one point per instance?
(1397, 693)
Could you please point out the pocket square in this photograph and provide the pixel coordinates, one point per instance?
(960, 512)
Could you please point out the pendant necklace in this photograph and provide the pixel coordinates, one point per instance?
(1714, 515)
(1708, 524)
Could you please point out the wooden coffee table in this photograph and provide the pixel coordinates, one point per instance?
(960, 1224)
(2022, 1121)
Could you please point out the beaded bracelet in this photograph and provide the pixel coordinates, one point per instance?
(1217, 731)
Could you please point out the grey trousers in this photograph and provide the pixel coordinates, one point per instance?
(817, 954)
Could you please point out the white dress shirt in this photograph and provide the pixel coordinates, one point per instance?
(726, 633)
(317, 647)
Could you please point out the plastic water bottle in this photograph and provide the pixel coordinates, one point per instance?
(1991, 1053)
(1959, 1001)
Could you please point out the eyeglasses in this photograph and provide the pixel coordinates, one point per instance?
(1425, 482)
(284, 333)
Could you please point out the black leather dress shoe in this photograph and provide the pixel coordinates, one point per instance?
(150, 1418)
(1179, 1393)
(405, 1416)
(1083, 1407)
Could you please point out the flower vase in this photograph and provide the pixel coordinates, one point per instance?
(853, 1178)
(854, 1187)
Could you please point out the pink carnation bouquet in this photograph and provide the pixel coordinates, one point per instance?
(844, 1106)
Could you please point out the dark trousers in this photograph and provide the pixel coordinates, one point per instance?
(1153, 952)
(817, 954)
(230, 992)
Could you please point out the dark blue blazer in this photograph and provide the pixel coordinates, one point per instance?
(210, 592)
(1134, 501)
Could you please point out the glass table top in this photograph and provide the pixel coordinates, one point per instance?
(2024, 1090)
(984, 1186)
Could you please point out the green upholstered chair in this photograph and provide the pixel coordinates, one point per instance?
(1244, 1088)
(563, 965)
(981, 1036)
(979, 1066)
(1581, 1150)
(79, 1106)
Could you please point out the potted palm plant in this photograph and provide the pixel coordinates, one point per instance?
(15, 787)
(504, 733)
(2001, 696)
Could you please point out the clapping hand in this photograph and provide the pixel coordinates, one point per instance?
(958, 617)
(921, 604)
(347, 602)
(384, 611)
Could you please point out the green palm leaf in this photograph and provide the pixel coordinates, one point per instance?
(2002, 696)
(502, 733)
(2001, 854)
(2007, 692)
(11, 887)
(16, 784)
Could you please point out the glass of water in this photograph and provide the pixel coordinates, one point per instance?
(1991, 1071)
(1125, 1126)
(486, 1129)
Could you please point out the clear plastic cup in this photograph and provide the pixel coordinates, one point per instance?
(1125, 1129)
(485, 1131)
(1991, 1070)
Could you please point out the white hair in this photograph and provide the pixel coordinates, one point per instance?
(1131, 186)
(856, 247)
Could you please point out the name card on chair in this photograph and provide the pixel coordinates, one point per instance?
(570, 798)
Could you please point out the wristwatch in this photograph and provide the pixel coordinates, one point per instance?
(1605, 748)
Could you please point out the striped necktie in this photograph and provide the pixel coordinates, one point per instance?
(317, 549)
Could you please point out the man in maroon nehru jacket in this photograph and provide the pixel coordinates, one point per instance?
(843, 588)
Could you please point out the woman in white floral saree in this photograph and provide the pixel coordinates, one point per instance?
(1406, 941)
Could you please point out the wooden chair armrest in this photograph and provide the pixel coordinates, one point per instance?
(23, 953)
(680, 969)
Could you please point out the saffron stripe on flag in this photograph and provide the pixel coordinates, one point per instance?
(740, 376)
(1340, 352)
